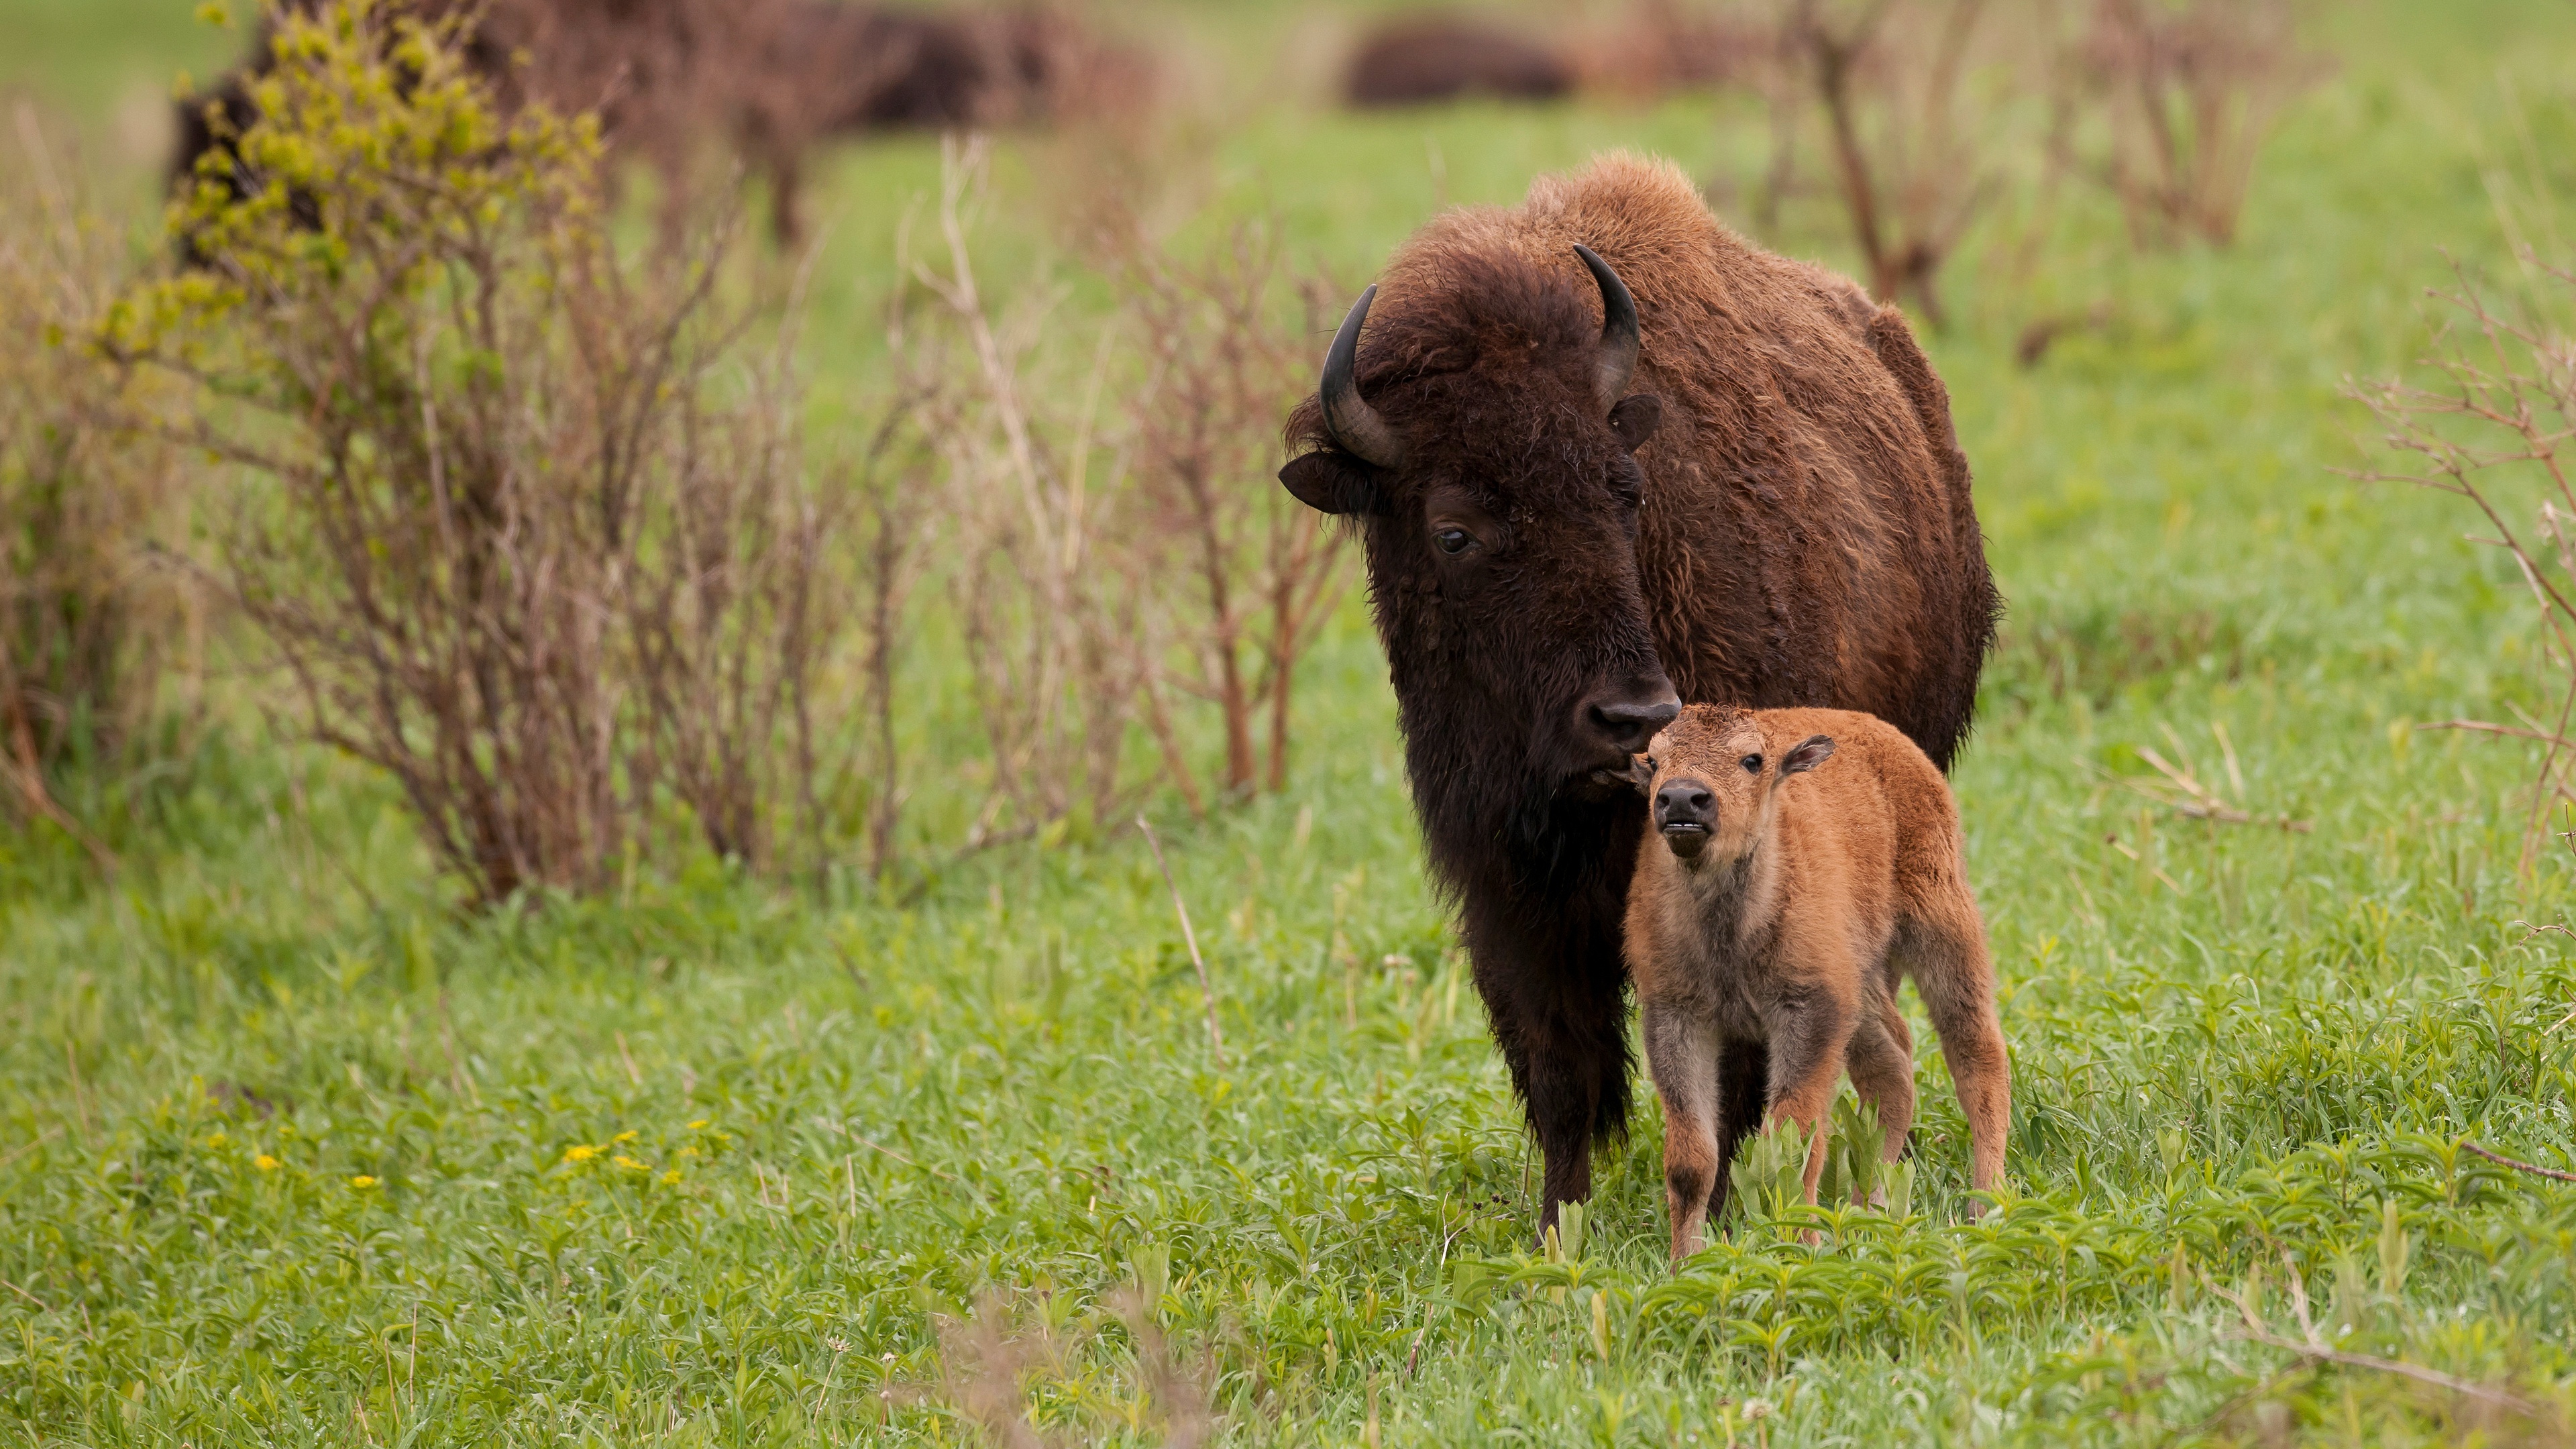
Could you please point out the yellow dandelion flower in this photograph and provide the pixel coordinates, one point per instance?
(217, 1140)
(700, 1124)
(629, 1163)
(687, 1152)
(264, 1163)
(670, 1177)
(362, 1182)
(626, 1136)
(580, 1152)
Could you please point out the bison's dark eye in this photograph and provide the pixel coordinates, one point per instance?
(1453, 540)
(1753, 764)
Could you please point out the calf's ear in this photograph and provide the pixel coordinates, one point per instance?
(1812, 751)
(1330, 482)
(1635, 419)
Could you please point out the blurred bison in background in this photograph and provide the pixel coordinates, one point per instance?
(671, 80)
(835, 69)
(1441, 58)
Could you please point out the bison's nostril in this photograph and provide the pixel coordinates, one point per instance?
(1630, 723)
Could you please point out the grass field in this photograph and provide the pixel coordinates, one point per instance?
(292, 1153)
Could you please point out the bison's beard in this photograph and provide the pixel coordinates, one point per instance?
(1561, 832)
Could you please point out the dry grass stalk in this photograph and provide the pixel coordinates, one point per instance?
(1037, 503)
(512, 540)
(1190, 936)
(2184, 793)
(2312, 1346)
(1889, 76)
(987, 1364)
(2497, 409)
(88, 622)
(2192, 90)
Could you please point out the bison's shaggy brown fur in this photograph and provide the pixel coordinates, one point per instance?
(1807, 535)
(1796, 531)
(1798, 863)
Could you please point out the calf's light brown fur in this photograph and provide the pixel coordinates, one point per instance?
(1797, 863)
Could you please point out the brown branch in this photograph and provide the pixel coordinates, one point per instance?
(2312, 1348)
(2517, 1164)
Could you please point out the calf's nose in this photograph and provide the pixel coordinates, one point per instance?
(1684, 802)
(1626, 721)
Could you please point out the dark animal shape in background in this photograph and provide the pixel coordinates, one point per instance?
(1777, 515)
(1799, 864)
(771, 78)
(836, 69)
(1444, 58)
(211, 122)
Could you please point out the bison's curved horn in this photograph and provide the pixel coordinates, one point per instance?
(1619, 333)
(1356, 427)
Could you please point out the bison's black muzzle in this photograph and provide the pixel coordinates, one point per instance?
(1624, 721)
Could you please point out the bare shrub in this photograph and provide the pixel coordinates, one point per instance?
(1249, 576)
(87, 493)
(1891, 78)
(2493, 420)
(2192, 90)
(891, 490)
(511, 536)
(1037, 504)
(735, 599)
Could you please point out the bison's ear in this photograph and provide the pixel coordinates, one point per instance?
(1331, 482)
(1812, 751)
(1634, 419)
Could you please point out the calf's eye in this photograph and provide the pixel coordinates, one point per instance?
(1753, 764)
(1452, 540)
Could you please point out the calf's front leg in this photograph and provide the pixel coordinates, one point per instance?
(1682, 1053)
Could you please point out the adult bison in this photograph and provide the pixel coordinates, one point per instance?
(1699, 472)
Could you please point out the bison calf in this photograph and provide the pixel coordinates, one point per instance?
(1770, 919)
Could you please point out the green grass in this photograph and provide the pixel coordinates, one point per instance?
(2238, 1050)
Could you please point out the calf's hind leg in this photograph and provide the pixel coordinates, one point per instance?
(1945, 945)
(1881, 1063)
(1743, 1071)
